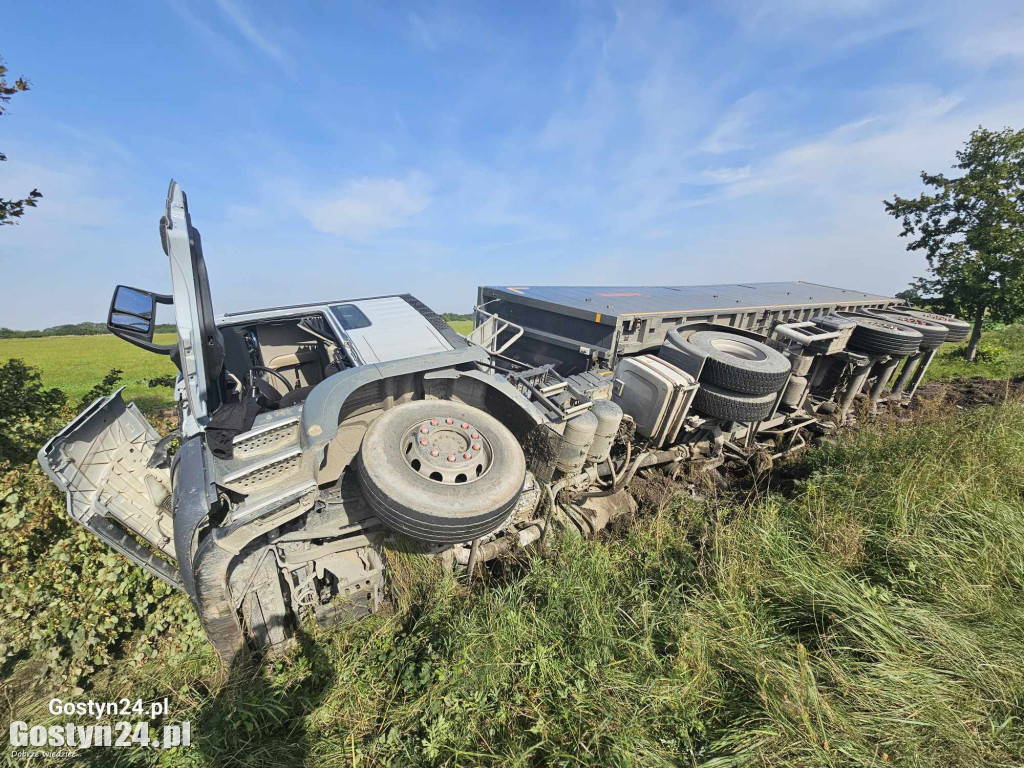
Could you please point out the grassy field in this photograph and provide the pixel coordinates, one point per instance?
(75, 364)
(867, 615)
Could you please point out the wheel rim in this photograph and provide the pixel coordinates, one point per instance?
(910, 320)
(447, 451)
(738, 349)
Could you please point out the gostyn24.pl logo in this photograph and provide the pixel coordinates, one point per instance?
(70, 736)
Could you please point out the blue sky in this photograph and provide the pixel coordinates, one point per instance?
(331, 150)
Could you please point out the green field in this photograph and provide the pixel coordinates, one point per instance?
(75, 364)
(1006, 344)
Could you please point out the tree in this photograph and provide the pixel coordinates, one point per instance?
(971, 229)
(12, 210)
(910, 295)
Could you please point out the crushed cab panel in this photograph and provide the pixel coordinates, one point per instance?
(101, 460)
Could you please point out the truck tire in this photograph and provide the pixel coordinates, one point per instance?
(959, 330)
(934, 334)
(876, 336)
(732, 361)
(720, 403)
(440, 471)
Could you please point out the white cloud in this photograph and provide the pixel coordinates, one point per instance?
(244, 25)
(1005, 40)
(69, 199)
(879, 152)
(219, 45)
(368, 206)
(422, 32)
(727, 175)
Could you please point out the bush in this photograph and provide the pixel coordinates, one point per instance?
(992, 353)
(28, 413)
(67, 600)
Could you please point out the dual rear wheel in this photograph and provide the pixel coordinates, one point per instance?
(740, 378)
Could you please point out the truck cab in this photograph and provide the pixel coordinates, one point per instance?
(258, 512)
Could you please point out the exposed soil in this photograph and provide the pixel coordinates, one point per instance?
(967, 393)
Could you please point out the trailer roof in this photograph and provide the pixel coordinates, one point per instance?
(640, 300)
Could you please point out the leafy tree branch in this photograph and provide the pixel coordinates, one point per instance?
(12, 210)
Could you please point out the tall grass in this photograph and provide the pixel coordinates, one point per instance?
(871, 616)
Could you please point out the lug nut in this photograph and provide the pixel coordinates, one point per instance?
(451, 458)
(433, 422)
(476, 447)
(435, 452)
(475, 436)
(424, 430)
(449, 421)
(467, 455)
(424, 441)
(465, 425)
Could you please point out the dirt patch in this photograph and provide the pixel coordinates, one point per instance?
(968, 393)
(539, 449)
(654, 492)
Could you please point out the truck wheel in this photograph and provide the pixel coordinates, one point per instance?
(876, 336)
(934, 334)
(440, 471)
(720, 403)
(735, 362)
(958, 329)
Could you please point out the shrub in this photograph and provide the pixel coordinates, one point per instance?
(66, 599)
(991, 352)
(28, 413)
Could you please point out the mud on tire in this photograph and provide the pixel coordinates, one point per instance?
(934, 333)
(958, 329)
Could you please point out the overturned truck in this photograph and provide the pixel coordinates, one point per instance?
(313, 438)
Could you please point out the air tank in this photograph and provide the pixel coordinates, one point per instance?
(795, 390)
(576, 441)
(609, 416)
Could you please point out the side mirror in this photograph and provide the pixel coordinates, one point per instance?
(132, 317)
(132, 311)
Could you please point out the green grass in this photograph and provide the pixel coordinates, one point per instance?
(949, 363)
(75, 364)
(866, 613)
(871, 616)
